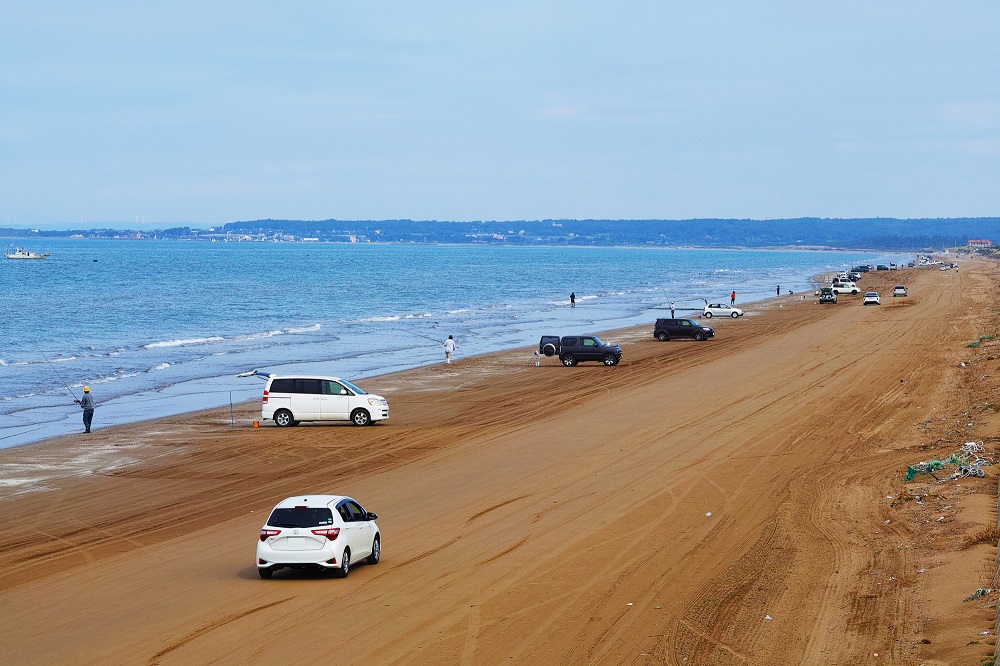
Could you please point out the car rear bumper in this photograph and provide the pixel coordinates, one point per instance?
(321, 557)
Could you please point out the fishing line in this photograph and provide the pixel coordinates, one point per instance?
(427, 337)
(56, 371)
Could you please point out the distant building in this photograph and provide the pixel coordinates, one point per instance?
(980, 243)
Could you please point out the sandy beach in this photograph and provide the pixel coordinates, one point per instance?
(737, 501)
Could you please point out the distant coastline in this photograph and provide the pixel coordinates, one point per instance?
(834, 234)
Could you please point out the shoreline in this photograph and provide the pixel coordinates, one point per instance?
(216, 413)
(354, 349)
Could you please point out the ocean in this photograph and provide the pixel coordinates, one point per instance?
(159, 328)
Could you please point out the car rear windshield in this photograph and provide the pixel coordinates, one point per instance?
(301, 516)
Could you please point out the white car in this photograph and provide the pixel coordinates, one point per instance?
(291, 399)
(721, 310)
(845, 288)
(899, 290)
(871, 298)
(323, 532)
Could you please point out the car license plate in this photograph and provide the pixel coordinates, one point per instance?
(296, 543)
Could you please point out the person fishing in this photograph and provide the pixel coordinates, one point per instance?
(87, 403)
(449, 348)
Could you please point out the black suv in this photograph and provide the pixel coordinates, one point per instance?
(666, 329)
(575, 348)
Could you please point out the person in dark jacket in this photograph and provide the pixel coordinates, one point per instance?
(87, 403)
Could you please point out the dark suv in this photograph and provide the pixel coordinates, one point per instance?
(667, 329)
(573, 349)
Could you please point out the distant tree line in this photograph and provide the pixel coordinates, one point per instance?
(857, 233)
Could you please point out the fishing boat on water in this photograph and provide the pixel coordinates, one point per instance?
(18, 253)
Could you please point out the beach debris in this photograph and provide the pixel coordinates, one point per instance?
(709, 513)
(980, 592)
(924, 468)
(768, 617)
(629, 603)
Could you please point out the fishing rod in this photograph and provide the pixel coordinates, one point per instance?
(427, 337)
(57, 372)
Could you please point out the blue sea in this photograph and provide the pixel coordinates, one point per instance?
(157, 328)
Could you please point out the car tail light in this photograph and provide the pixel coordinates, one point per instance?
(265, 396)
(264, 533)
(330, 533)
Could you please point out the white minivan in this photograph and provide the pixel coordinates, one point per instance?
(291, 399)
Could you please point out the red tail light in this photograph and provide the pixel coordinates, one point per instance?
(265, 396)
(330, 533)
(264, 533)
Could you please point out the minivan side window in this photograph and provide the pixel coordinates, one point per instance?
(283, 386)
(685, 322)
(307, 386)
(569, 342)
(332, 388)
(588, 342)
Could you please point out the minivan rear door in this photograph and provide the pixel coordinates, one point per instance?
(306, 400)
(335, 401)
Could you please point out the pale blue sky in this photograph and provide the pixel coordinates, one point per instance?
(207, 112)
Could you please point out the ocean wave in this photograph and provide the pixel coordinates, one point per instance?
(181, 343)
(112, 378)
(424, 315)
(161, 366)
(307, 329)
(258, 336)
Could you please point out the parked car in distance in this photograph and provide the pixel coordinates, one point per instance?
(899, 290)
(881, 267)
(871, 298)
(290, 399)
(721, 310)
(669, 329)
(845, 288)
(853, 277)
(945, 268)
(322, 532)
(827, 295)
(860, 269)
(573, 349)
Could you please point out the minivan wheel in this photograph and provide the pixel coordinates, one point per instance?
(376, 551)
(568, 360)
(345, 565)
(699, 336)
(283, 418)
(265, 573)
(610, 359)
(708, 314)
(662, 336)
(361, 417)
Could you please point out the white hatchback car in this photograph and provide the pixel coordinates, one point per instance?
(325, 532)
(721, 310)
(871, 298)
(899, 290)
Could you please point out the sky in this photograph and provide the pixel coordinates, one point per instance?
(155, 114)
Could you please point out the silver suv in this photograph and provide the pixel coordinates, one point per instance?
(721, 310)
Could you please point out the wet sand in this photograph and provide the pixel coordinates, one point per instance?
(735, 501)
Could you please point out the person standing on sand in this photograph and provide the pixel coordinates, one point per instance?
(449, 348)
(732, 298)
(777, 292)
(671, 309)
(87, 403)
(572, 299)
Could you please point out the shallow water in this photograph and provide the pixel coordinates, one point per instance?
(158, 328)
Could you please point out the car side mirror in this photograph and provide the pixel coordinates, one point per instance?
(372, 516)
(343, 391)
